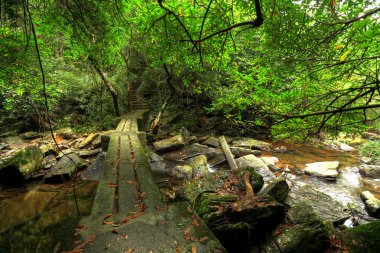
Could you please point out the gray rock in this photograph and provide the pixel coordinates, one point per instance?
(251, 143)
(212, 142)
(345, 147)
(305, 231)
(64, 152)
(64, 168)
(49, 149)
(89, 139)
(278, 189)
(97, 143)
(371, 171)
(325, 206)
(173, 143)
(89, 152)
(30, 135)
(182, 172)
(256, 163)
(239, 152)
(269, 161)
(371, 202)
(94, 170)
(20, 165)
(153, 157)
(191, 139)
(326, 170)
(159, 168)
(65, 133)
(199, 165)
(49, 161)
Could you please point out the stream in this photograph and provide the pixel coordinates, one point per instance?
(41, 217)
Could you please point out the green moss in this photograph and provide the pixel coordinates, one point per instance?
(362, 239)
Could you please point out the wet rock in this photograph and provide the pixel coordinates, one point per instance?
(30, 135)
(305, 231)
(350, 177)
(278, 189)
(212, 142)
(199, 165)
(182, 172)
(281, 149)
(49, 149)
(89, 152)
(239, 152)
(256, 163)
(65, 133)
(330, 210)
(64, 168)
(3, 146)
(88, 140)
(270, 161)
(184, 131)
(326, 170)
(251, 143)
(370, 135)
(166, 145)
(371, 202)
(20, 165)
(371, 171)
(345, 147)
(159, 168)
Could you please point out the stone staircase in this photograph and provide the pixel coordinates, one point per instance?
(128, 213)
(136, 102)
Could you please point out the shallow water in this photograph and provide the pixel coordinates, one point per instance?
(41, 217)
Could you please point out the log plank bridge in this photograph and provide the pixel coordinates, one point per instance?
(128, 214)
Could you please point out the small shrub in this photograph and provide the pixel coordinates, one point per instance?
(371, 149)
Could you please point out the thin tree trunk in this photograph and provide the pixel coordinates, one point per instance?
(108, 85)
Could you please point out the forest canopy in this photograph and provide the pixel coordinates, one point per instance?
(295, 68)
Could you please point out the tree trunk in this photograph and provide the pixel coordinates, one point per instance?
(108, 85)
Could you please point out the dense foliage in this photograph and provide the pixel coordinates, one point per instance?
(295, 67)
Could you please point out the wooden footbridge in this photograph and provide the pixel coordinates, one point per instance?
(128, 213)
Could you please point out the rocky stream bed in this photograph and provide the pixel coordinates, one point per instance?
(303, 199)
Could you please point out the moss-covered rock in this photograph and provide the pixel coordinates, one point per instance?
(63, 169)
(305, 232)
(21, 165)
(256, 180)
(362, 239)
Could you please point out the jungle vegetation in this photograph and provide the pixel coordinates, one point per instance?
(295, 68)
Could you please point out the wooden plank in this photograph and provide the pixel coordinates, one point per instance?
(227, 153)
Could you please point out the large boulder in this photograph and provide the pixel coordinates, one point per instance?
(181, 172)
(256, 163)
(251, 143)
(65, 133)
(21, 165)
(212, 142)
(199, 165)
(303, 232)
(166, 145)
(89, 152)
(329, 210)
(64, 168)
(326, 170)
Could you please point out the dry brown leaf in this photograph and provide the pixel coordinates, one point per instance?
(193, 249)
(189, 209)
(114, 231)
(107, 222)
(150, 251)
(179, 249)
(112, 185)
(130, 250)
(202, 239)
(107, 216)
(109, 245)
(187, 233)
